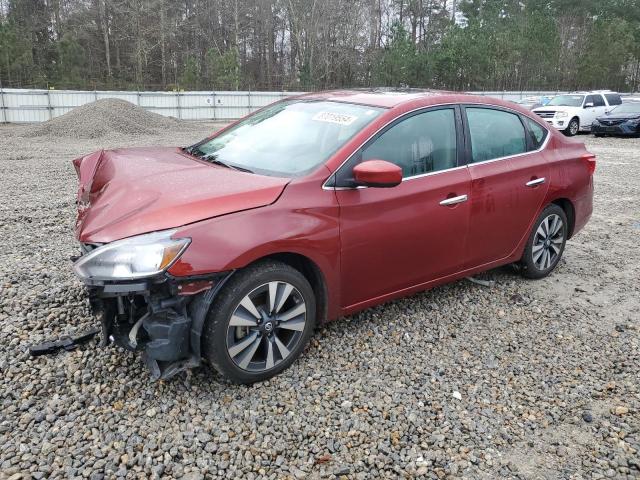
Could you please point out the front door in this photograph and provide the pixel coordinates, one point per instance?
(396, 238)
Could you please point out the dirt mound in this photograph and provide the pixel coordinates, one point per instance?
(102, 118)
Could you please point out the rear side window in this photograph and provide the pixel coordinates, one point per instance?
(494, 134)
(422, 143)
(613, 98)
(537, 134)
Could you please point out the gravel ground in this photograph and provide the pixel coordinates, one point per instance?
(523, 379)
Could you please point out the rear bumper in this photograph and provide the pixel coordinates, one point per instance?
(583, 209)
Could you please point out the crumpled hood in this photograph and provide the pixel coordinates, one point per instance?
(130, 191)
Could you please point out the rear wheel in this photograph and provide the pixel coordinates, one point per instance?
(573, 128)
(260, 323)
(546, 243)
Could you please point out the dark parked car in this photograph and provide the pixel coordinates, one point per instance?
(622, 120)
(235, 248)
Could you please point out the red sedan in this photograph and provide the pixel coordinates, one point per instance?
(235, 248)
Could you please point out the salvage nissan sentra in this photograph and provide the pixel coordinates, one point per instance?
(235, 248)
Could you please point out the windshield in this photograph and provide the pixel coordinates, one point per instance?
(567, 101)
(632, 107)
(287, 139)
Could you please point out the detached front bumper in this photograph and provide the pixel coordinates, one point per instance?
(162, 317)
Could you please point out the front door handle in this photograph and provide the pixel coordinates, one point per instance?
(535, 182)
(453, 200)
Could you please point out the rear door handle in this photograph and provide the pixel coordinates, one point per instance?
(535, 182)
(453, 200)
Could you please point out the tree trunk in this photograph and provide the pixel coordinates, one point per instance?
(102, 14)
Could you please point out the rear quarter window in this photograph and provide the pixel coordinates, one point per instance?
(537, 134)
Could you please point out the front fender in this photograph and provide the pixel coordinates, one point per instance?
(304, 221)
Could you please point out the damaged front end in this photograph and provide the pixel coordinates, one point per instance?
(162, 317)
(143, 308)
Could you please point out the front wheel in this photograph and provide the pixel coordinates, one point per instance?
(573, 128)
(546, 243)
(260, 323)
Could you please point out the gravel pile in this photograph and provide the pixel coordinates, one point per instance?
(521, 379)
(104, 117)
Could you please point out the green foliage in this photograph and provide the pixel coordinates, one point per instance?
(16, 59)
(71, 61)
(397, 62)
(608, 52)
(190, 74)
(224, 69)
(501, 45)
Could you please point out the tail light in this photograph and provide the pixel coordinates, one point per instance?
(590, 160)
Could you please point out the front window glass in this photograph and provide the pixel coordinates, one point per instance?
(566, 101)
(631, 107)
(288, 139)
(423, 143)
(495, 134)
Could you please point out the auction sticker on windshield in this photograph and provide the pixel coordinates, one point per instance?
(331, 117)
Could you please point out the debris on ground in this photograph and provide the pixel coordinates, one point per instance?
(484, 283)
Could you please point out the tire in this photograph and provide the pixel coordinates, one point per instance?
(247, 335)
(543, 252)
(573, 128)
(598, 135)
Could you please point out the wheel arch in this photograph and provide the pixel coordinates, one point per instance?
(569, 211)
(311, 271)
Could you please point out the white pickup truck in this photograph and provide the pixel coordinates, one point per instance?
(576, 112)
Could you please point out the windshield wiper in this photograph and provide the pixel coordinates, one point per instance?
(211, 158)
(215, 161)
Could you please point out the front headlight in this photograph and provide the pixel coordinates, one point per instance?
(132, 258)
(634, 122)
(561, 114)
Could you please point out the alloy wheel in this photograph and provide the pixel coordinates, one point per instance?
(266, 326)
(547, 243)
(573, 127)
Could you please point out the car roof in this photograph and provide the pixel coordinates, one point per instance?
(390, 98)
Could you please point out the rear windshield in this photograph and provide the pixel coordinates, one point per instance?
(567, 101)
(289, 138)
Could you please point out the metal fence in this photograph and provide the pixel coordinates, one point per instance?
(27, 106)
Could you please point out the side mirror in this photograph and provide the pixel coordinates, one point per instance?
(377, 173)
(588, 105)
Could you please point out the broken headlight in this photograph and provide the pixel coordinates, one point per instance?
(132, 258)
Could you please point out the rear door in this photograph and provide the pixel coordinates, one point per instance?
(600, 105)
(508, 182)
(396, 238)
